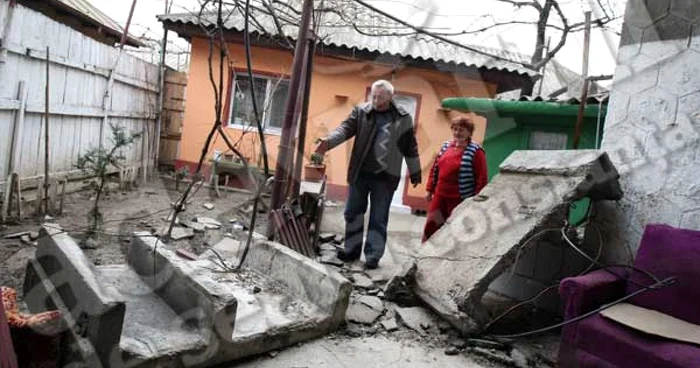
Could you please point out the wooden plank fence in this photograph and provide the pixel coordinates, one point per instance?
(79, 70)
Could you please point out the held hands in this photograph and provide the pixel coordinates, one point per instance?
(429, 197)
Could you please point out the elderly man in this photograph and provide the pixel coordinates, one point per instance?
(384, 136)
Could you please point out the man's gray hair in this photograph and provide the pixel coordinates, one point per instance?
(385, 85)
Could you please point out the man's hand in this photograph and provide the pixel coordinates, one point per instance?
(322, 146)
(416, 179)
(429, 197)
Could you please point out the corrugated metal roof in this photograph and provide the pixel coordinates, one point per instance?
(559, 80)
(419, 47)
(89, 14)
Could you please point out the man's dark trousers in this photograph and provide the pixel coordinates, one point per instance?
(380, 189)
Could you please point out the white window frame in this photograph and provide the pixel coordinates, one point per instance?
(561, 139)
(263, 110)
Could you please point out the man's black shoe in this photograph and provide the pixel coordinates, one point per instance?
(345, 257)
(371, 265)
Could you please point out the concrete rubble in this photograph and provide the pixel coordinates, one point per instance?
(532, 191)
(160, 309)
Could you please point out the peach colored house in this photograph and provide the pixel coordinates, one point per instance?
(345, 65)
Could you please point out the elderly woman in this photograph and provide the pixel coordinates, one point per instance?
(458, 172)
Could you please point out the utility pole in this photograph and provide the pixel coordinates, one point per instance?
(286, 151)
(584, 77)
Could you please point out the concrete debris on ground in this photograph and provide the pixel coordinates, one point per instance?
(16, 235)
(390, 324)
(209, 223)
(362, 314)
(196, 226)
(372, 302)
(415, 318)
(399, 289)
(208, 206)
(362, 281)
(532, 191)
(330, 258)
(180, 233)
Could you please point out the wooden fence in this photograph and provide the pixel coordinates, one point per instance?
(90, 87)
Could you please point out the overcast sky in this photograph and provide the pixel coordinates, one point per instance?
(442, 14)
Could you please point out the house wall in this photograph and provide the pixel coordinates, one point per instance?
(337, 85)
(652, 131)
(79, 68)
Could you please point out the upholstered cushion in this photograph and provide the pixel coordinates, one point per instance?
(667, 251)
(622, 346)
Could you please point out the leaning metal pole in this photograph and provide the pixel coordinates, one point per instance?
(286, 151)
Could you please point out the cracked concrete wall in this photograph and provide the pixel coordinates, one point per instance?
(652, 130)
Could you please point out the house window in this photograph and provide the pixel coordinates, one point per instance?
(270, 95)
(547, 141)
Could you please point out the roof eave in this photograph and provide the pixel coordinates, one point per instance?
(505, 80)
(106, 31)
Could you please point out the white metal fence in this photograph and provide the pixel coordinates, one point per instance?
(79, 113)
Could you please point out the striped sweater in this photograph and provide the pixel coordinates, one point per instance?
(468, 182)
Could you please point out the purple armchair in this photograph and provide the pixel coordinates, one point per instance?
(596, 341)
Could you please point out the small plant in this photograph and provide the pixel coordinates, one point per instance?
(316, 159)
(181, 174)
(96, 162)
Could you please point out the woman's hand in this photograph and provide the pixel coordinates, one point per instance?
(429, 197)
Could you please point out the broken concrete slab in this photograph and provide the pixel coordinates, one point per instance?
(390, 324)
(208, 206)
(361, 313)
(331, 259)
(209, 222)
(60, 269)
(372, 302)
(533, 191)
(196, 226)
(16, 235)
(415, 318)
(362, 281)
(399, 289)
(179, 233)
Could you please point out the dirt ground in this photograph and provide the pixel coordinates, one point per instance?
(147, 208)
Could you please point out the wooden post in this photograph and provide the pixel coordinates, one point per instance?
(9, 187)
(63, 196)
(46, 138)
(18, 194)
(584, 76)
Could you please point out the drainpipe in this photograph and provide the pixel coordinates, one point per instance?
(285, 149)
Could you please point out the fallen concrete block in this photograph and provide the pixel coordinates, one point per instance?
(390, 324)
(372, 302)
(362, 314)
(533, 191)
(61, 269)
(362, 281)
(209, 222)
(179, 233)
(208, 206)
(196, 226)
(415, 318)
(16, 235)
(399, 289)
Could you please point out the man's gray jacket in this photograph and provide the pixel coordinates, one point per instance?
(402, 144)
